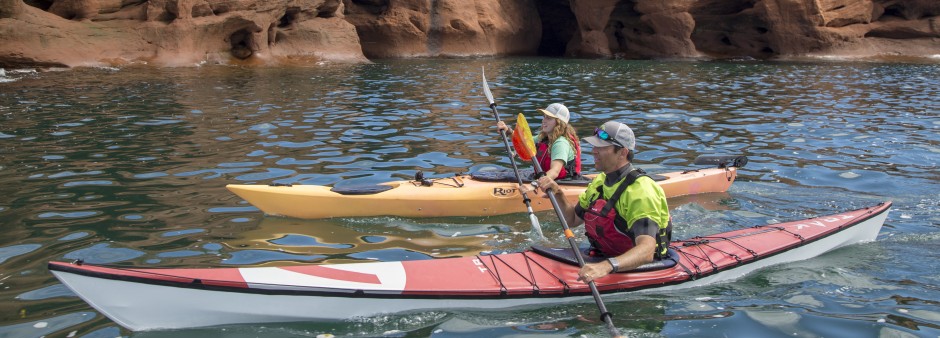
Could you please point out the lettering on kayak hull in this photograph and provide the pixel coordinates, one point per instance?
(817, 223)
(503, 192)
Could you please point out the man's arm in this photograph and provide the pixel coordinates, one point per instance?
(640, 254)
(567, 210)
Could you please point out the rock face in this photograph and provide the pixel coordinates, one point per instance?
(187, 32)
(173, 32)
(410, 28)
(754, 28)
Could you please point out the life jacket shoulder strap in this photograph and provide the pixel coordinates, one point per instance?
(631, 177)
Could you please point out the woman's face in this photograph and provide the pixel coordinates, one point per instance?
(548, 123)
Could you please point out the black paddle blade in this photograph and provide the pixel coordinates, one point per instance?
(722, 161)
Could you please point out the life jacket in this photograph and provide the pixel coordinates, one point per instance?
(571, 169)
(602, 232)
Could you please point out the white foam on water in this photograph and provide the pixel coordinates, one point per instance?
(4, 78)
(849, 175)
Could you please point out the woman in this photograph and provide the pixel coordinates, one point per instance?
(558, 150)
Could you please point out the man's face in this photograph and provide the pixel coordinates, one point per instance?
(605, 158)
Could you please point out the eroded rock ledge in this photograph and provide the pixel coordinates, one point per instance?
(189, 32)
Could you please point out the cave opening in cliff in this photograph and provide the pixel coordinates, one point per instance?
(290, 16)
(558, 26)
(41, 4)
(734, 29)
(375, 7)
(898, 11)
(625, 31)
(241, 44)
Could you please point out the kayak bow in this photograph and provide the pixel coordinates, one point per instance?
(172, 298)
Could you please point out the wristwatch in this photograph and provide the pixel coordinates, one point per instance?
(613, 263)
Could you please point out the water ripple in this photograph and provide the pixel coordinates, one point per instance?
(16, 250)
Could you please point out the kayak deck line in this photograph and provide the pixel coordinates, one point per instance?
(170, 298)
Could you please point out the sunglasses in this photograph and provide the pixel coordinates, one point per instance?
(603, 135)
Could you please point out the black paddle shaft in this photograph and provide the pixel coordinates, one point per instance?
(605, 315)
(512, 159)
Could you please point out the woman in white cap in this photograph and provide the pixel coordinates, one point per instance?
(558, 150)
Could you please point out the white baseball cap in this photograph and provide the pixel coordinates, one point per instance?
(558, 111)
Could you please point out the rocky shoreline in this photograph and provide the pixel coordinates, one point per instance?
(71, 33)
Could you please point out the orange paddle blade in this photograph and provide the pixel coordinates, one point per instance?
(522, 139)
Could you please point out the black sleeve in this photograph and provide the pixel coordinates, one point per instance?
(645, 226)
(579, 211)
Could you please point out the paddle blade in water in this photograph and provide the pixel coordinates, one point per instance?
(522, 139)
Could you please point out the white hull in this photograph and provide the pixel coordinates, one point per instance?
(150, 306)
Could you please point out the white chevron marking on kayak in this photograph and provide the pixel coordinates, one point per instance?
(391, 276)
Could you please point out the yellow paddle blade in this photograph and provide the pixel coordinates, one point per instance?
(522, 139)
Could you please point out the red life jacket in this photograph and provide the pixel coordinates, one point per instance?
(544, 155)
(599, 221)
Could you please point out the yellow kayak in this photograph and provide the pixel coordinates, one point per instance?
(460, 195)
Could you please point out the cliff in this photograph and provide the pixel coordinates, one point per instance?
(68, 33)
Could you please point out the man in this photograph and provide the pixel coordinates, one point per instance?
(635, 229)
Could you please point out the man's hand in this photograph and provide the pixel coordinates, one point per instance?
(592, 271)
(546, 183)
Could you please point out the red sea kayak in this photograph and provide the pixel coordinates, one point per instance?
(154, 298)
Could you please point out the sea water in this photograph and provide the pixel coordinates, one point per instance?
(129, 165)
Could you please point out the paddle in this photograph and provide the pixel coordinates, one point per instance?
(525, 197)
(522, 135)
(525, 146)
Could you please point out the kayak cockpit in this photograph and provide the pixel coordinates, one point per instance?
(566, 255)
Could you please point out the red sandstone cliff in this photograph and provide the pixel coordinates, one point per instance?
(173, 32)
(188, 32)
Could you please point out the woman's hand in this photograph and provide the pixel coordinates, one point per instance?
(502, 126)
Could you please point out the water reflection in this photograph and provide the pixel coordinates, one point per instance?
(285, 240)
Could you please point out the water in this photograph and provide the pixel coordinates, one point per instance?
(128, 166)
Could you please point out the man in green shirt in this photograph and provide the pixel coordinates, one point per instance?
(635, 229)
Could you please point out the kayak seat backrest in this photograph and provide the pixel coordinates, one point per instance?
(527, 174)
(580, 180)
(657, 178)
(502, 175)
(722, 161)
(565, 255)
(361, 189)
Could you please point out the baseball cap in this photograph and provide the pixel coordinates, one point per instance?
(558, 111)
(613, 133)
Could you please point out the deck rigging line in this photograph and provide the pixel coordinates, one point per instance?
(531, 265)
